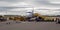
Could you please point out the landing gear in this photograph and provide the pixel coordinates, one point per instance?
(39, 19)
(8, 23)
(18, 22)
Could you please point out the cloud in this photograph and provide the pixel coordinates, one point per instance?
(7, 5)
(12, 1)
(35, 3)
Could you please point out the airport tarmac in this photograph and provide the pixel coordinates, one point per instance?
(29, 26)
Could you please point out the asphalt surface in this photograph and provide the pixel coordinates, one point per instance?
(29, 26)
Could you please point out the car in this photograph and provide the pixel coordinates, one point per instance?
(3, 19)
(58, 21)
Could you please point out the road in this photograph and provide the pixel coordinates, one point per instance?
(30, 26)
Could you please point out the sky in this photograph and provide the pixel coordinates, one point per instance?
(17, 7)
